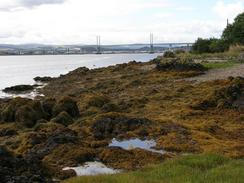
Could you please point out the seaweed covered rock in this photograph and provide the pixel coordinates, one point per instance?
(19, 88)
(129, 160)
(48, 105)
(176, 142)
(177, 64)
(43, 79)
(7, 132)
(52, 139)
(110, 107)
(98, 101)
(24, 111)
(114, 124)
(20, 170)
(169, 54)
(30, 113)
(67, 155)
(63, 118)
(9, 109)
(68, 105)
(79, 71)
(226, 97)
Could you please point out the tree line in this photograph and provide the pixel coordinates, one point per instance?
(233, 34)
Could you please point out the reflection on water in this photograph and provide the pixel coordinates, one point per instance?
(136, 143)
(92, 168)
(18, 70)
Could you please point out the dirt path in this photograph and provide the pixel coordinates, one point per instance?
(214, 74)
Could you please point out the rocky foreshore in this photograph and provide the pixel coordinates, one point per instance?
(81, 112)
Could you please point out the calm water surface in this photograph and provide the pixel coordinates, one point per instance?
(15, 70)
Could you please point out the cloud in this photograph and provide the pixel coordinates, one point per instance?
(117, 21)
(31, 3)
(11, 5)
(229, 10)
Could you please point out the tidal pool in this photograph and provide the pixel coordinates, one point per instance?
(92, 168)
(136, 143)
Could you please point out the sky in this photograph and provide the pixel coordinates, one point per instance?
(116, 21)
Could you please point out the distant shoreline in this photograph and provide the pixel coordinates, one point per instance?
(83, 54)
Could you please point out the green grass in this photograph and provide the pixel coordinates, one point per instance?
(218, 65)
(188, 169)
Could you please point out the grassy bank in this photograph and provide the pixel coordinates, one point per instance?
(219, 65)
(190, 169)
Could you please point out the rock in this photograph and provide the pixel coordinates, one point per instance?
(24, 111)
(98, 101)
(20, 170)
(110, 107)
(43, 79)
(19, 88)
(6, 132)
(48, 105)
(169, 54)
(229, 96)
(129, 159)
(59, 135)
(113, 124)
(68, 105)
(30, 113)
(9, 109)
(63, 118)
(79, 71)
(176, 64)
(176, 142)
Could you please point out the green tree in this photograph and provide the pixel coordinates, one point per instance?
(218, 45)
(201, 46)
(234, 33)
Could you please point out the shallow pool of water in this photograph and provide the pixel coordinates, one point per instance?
(136, 143)
(92, 168)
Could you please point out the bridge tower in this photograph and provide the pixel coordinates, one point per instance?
(99, 45)
(151, 44)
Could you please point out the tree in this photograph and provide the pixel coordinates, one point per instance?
(201, 46)
(218, 45)
(234, 33)
(211, 45)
